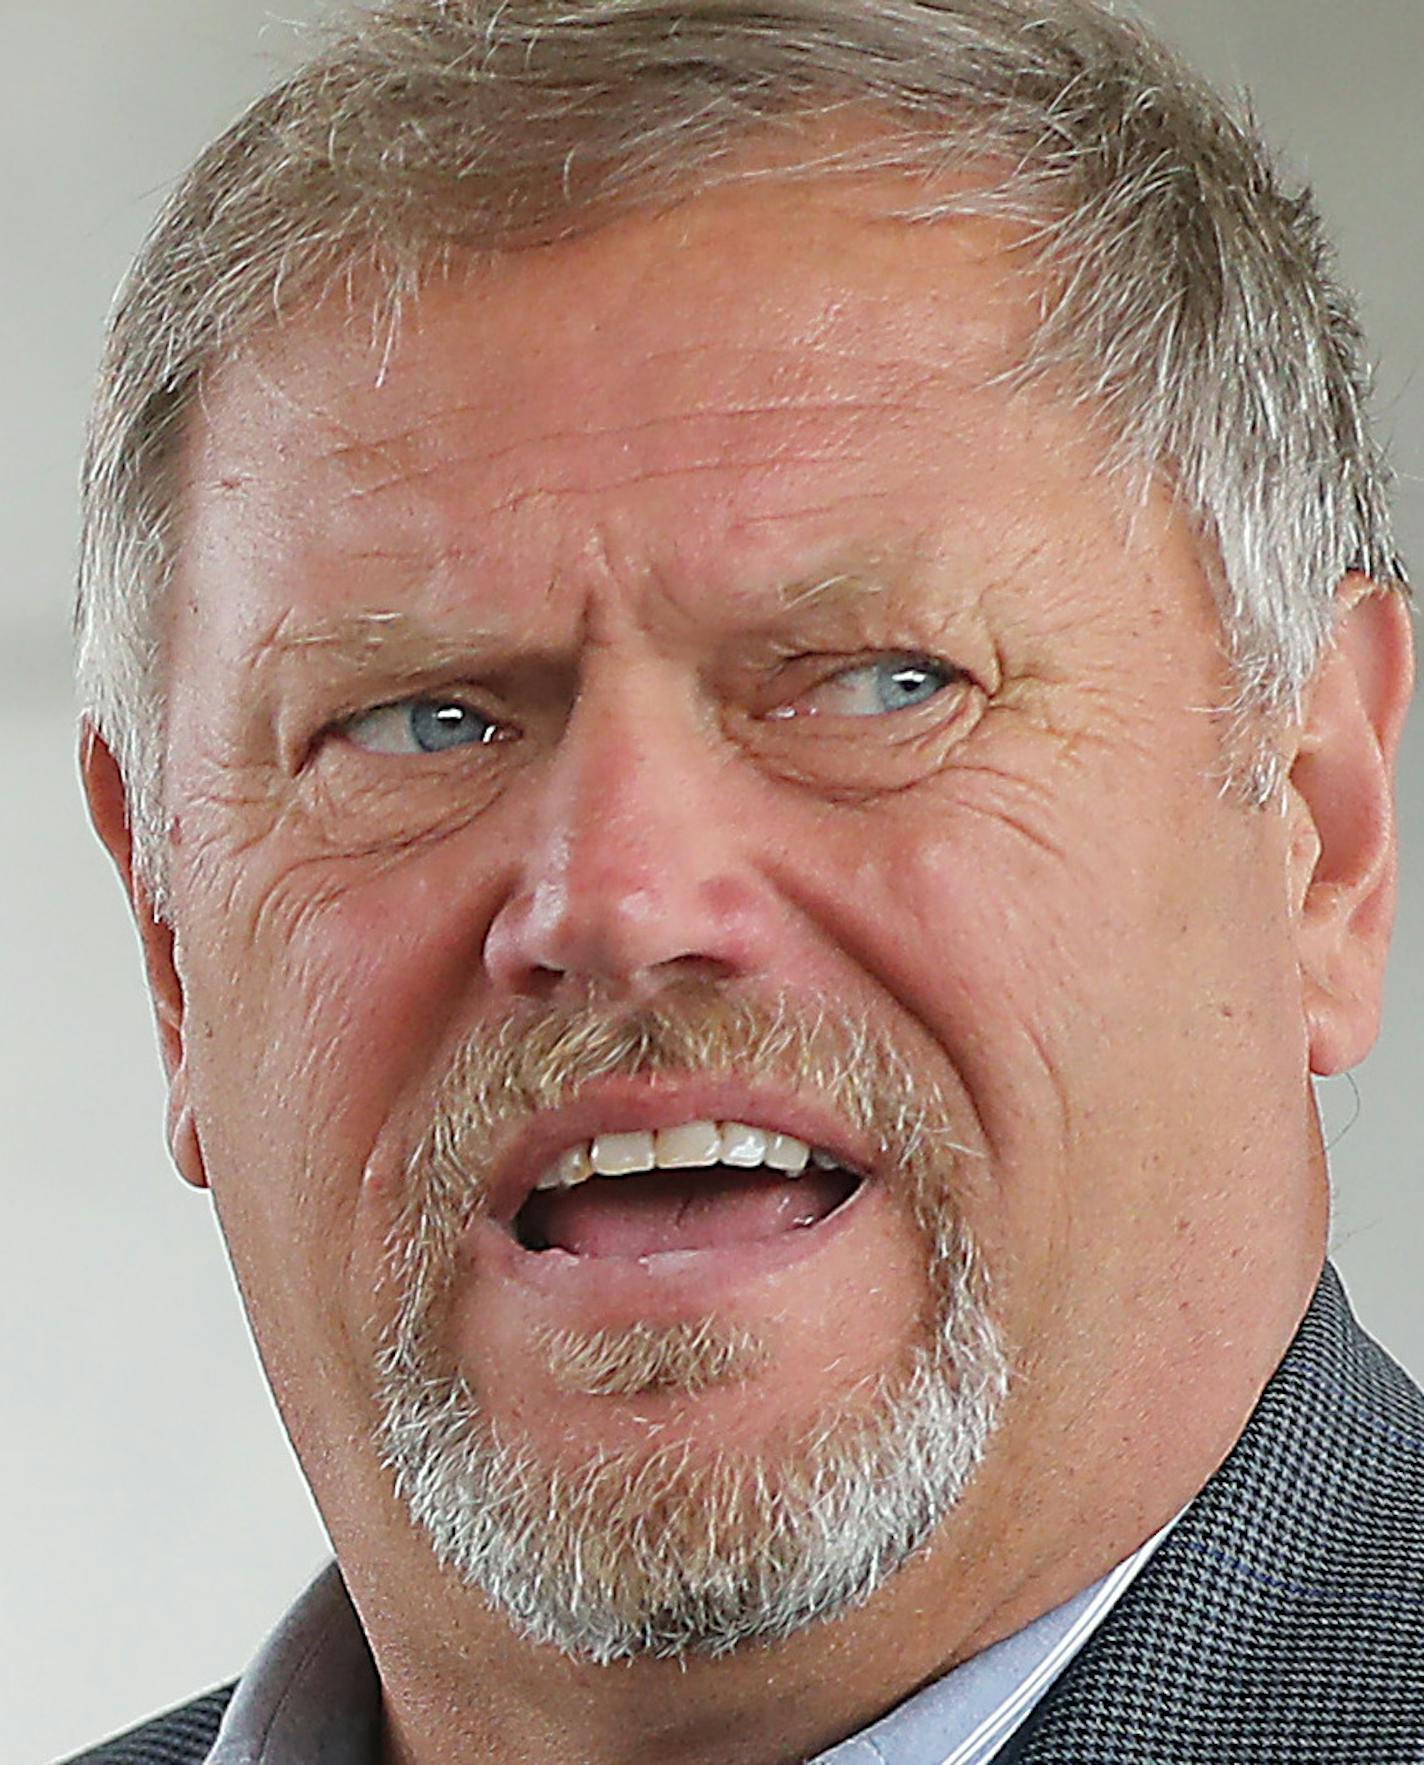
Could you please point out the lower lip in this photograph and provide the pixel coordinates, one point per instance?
(672, 1283)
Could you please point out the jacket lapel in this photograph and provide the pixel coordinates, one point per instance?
(1282, 1622)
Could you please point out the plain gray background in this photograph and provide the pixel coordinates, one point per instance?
(154, 1521)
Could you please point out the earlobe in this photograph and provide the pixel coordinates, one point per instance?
(107, 797)
(1343, 842)
(184, 1145)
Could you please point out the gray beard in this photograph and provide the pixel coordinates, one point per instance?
(693, 1548)
(689, 1549)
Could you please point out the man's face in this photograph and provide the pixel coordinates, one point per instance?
(689, 629)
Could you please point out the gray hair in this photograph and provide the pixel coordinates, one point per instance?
(1191, 300)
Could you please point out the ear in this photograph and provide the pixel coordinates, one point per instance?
(1343, 845)
(108, 810)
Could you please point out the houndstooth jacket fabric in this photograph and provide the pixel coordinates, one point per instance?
(182, 1737)
(1281, 1623)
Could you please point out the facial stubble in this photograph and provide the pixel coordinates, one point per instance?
(689, 1547)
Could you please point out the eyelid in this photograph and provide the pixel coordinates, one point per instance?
(499, 729)
(842, 667)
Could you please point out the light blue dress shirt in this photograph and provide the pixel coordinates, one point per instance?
(311, 1696)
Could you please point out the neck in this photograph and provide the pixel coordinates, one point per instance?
(486, 1695)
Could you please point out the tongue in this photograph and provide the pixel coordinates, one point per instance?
(678, 1210)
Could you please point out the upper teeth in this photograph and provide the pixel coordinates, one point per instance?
(689, 1145)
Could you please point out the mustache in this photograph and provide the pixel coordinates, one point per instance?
(540, 1055)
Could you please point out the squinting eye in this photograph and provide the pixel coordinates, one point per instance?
(421, 726)
(872, 689)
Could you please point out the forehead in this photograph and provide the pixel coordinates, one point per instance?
(745, 386)
(789, 270)
(772, 294)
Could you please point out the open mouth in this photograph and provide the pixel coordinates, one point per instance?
(696, 1186)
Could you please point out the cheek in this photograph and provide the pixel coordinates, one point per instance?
(342, 977)
(1086, 981)
(322, 1009)
(966, 938)
(983, 935)
(1031, 917)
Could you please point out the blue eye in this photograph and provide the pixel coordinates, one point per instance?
(422, 726)
(438, 725)
(902, 684)
(874, 689)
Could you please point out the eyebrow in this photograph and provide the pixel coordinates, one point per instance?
(829, 594)
(390, 636)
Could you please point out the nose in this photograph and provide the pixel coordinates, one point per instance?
(636, 873)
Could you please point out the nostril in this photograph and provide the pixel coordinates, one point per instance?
(542, 983)
(589, 907)
(527, 955)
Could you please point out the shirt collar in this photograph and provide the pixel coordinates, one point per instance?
(311, 1696)
(965, 1717)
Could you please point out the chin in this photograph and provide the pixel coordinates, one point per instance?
(643, 1430)
(726, 1517)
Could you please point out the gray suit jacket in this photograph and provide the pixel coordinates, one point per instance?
(1281, 1623)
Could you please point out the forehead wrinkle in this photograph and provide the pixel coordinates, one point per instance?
(404, 476)
(435, 420)
(816, 511)
(959, 362)
(519, 499)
